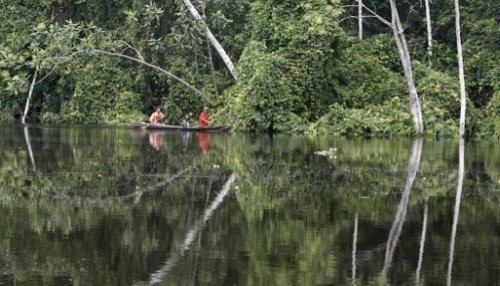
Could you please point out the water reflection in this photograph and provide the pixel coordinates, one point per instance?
(456, 210)
(399, 218)
(159, 275)
(354, 247)
(28, 145)
(156, 139)
(422, 243)
(102, 209)
(185, 136)
(203, 142)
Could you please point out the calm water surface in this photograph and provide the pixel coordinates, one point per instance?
(83, 206)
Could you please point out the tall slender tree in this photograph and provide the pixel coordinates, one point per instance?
(360, 19)
(28, 100)
(404, 55)
(461, 74)
(429, 30)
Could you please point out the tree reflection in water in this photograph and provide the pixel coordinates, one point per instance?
(28, 145)
(456, 210)
(399, 218)
(101, 199)
(160, 274)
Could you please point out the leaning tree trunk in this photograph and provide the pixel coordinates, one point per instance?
(461, 75)
(429, 30)
(218, 47)
(28, 100)
(404, 55)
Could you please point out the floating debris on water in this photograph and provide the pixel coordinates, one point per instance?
(330, 153)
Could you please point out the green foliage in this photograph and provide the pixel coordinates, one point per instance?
(491, 119)
(369, 72)
(384, 120)
(260, 101)
(96, 98)
(440, 101)
(295, 59)
(286, 70)
(125, 109)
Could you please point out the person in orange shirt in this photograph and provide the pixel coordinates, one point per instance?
(204, 120)
(157, 117)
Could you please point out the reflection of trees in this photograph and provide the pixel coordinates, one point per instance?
(354, 246)
(159, 275)
(71, 217)
(422, 243)
(288, 221)
(400, 216)
(456, 210)
(277, 174)
(28, 145)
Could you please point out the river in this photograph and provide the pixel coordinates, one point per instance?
(104, 206)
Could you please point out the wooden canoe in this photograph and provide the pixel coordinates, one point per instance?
(149, 126)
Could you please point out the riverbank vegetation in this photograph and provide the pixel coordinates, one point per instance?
(301, 66)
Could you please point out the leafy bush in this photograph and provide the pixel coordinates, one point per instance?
(490, 127)
(384, 120)
(125, 109)
(51, 118)
(262, 100)
(369, 72)
(440, 101)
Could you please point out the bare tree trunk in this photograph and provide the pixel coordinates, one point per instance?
(461, 75)
(405, 58)
(429, 30)
(28, 100)
(211, 63)
(456, 211)
(360, 19)
(218, 47)
(404, 55)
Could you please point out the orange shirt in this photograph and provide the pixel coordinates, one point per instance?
(203, 119)
(156, 117)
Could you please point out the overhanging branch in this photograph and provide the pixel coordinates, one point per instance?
(185, 83)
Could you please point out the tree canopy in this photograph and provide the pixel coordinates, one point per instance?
(300, 64)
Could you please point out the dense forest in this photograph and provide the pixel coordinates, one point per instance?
(299, 65)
